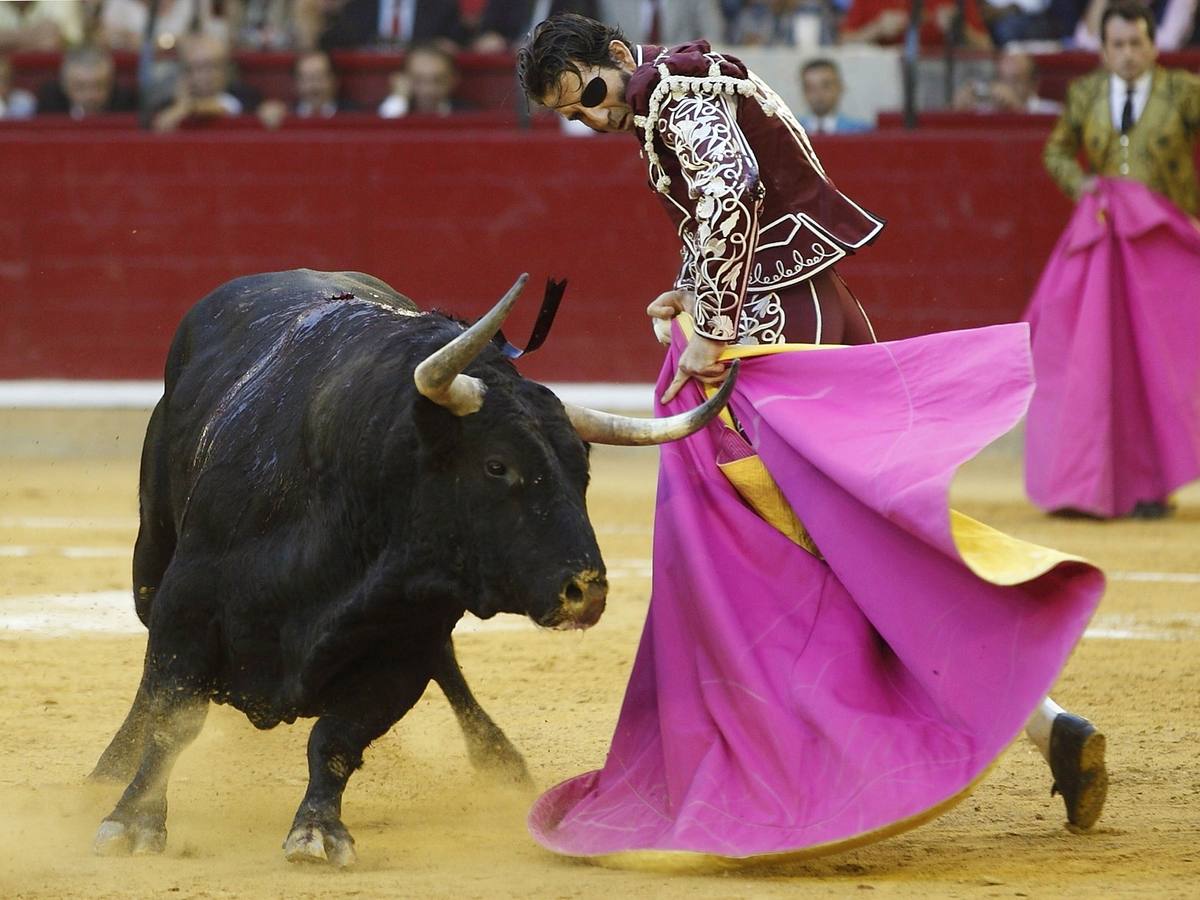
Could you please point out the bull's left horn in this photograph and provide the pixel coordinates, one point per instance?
(439, 376)
(605, 428)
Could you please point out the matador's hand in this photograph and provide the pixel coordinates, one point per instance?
(666, 307)
(699, 361)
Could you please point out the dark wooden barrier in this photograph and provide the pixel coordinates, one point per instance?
(106, 237)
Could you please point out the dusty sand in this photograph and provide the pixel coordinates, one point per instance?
(428, 826)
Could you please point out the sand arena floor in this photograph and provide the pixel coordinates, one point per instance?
(428, 826)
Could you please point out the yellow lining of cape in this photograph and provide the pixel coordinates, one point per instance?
(992, 555)
(748, 475)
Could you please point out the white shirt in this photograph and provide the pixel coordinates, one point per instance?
(1117, 91)
(825, 124)
(1036, 104)
(390, 10)
(19, 104)
(1029, 7)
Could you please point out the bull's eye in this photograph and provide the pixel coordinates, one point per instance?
(495, 468)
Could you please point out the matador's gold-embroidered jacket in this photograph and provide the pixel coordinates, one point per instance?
(1157, 151)
(755, 212)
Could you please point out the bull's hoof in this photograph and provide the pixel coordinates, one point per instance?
(494, 754)
(312, 843)
(118, 839)
(508, 766)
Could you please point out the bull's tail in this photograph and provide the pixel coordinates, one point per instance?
(156, 536)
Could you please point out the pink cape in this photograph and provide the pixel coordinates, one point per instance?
(1116, 347)
(781, 702)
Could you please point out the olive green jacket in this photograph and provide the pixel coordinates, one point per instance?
(1158, 151)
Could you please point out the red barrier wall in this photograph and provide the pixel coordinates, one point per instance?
(107, 237)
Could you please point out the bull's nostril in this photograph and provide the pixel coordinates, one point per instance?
(573, 593)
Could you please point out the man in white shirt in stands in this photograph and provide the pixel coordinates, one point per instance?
(823, 88)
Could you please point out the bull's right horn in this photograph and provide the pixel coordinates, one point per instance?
(439, 376)
(605, 428)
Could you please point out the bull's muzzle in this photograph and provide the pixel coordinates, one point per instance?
(580, 602)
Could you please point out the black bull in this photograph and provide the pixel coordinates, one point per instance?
(330, 480)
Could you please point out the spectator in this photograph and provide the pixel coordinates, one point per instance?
(1131, 119)
(885, 22)
(15, 103)
(1030, 20)
(86, 86)
(804, 23)
(425, 86)
(202, 88)
(1174, 20)
(316, 88)
(266, 25)
(1013, 90)
(663, 22)
(822, 84)
(507, 22)
(124, 22)
(41, 24)
(386, 23)
(1114, 427)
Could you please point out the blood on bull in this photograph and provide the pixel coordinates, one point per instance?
(332, 478)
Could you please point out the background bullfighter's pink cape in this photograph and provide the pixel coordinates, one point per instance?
(1116, 347)
(781, 702)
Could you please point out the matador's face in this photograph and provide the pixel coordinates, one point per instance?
(596, 97)
(1128, 51)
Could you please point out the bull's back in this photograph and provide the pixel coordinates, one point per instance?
(250, 360)
(233, 329)
(243, 317)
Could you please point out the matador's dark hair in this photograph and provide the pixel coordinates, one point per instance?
(1130, 11)
(558, 45)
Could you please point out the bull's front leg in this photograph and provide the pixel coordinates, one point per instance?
(335, 751)
(488, 748)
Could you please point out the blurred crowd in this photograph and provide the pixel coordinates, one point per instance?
(194, 41)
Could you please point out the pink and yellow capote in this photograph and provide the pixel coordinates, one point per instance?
(832, 655)
(1115, 320)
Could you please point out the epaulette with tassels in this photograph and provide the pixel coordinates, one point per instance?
(678, 85)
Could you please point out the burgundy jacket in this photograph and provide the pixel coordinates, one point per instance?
(755, 212)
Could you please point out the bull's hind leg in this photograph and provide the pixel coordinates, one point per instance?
(138, 824)
(120, 759)
(156, 538)
(151, 555)
(487, 746)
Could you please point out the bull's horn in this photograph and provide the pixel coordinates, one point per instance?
(604, 428)
(439, 376)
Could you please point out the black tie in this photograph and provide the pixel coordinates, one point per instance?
(1127, 112)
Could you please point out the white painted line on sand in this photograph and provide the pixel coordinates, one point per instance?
(51, 522)
(111, 612)
(65, 615)
(57, 394)
(1167, 577)
(18, 551)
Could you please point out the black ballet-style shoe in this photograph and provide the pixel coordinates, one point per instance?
(1077, 764)
(1150, 509)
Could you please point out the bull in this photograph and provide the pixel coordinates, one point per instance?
(330, 480)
